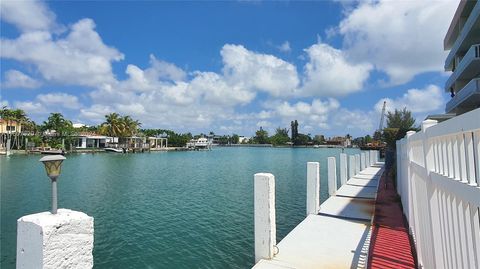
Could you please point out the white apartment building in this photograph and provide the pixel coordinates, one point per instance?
(463, 41)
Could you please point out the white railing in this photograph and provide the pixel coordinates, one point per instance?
(438, 175)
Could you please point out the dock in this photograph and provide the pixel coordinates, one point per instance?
(338, 236)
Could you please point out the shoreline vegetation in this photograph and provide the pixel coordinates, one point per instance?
(19, 132)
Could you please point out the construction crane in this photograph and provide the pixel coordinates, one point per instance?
(380, 127)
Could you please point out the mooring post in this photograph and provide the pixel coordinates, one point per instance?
(357, 163)
(351, 167)
(264, 219)
(343, 168)
(367, 159)
(332, 176)
(313, 188)
(372, 157)
(62, 240)
(362, 161)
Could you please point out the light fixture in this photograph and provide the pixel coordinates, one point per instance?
(53, 167)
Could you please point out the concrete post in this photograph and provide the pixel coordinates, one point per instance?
(362, 161)
(367, 159)
(332, 176)
(62, 240)
(313, 188)
(372, 157)
(343, 168)
(351, 167)
(264, 210)
(357, 163)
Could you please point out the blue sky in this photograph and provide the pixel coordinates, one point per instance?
(227, 67)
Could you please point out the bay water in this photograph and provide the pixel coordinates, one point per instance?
(163, 209)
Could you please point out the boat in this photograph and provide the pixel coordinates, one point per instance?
(201, 143)
(114, 150)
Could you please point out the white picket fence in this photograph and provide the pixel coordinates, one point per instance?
(438, 175)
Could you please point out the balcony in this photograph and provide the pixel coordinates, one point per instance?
(468, 36)
(468, 68)
(468, 98)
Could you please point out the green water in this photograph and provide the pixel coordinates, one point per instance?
(164, 209)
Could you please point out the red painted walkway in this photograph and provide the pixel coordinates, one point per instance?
(390, 245)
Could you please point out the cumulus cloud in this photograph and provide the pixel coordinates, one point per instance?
(423, 100)
(59, 99)
(401, 38)
(47, 103)
(80, 58)
(330, 73)
(17, 79)
(355, 121)
(17, 12)
(257, 71)
(285, 47)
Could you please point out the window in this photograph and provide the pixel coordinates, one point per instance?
(10, 128)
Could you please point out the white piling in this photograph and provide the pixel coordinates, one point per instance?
(264, 210)
(62, 240)
(367, 159)
(357, 163)
(313, 188)
(343, 168)
(351, 167)
(372, 157)
(332, 176)
(362, 161)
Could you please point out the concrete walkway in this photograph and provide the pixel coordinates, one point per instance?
(339, 236)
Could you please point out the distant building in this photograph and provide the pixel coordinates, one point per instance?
(339, 141)
(463, 41)
(79, 125)
(92, 140)
(243, 139)
(10, 126)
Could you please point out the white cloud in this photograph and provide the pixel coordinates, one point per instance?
(81, 58)
(59, 99)
(416, 100)
(401, 38)
(329, 72)
(27, 15)
(29, 107)
(285, 47)
(256, 71)
(355, 121)
(17, 79)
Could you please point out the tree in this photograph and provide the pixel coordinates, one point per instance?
(261, 137)
(399, 123)
(112, 125)
(235, 138)
(319, 139)
(63, 129)
(401, 119)
(281, 137)
(294, 127)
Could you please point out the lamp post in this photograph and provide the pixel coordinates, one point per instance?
(53, 165)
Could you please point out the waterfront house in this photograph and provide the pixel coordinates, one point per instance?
(91, 140)
(463, 41)
(10, 126)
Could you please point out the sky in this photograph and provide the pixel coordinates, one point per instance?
(226, 66)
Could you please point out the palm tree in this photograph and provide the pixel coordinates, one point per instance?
(112, 125)
(20, 118)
